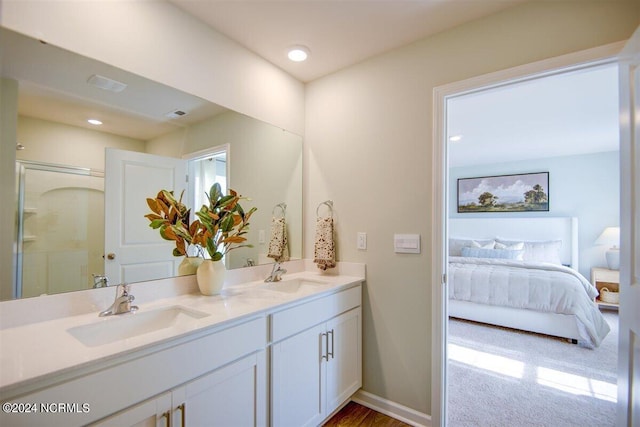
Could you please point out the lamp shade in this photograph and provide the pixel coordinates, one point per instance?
(610, 237)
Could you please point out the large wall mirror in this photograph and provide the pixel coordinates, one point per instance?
(61, 172)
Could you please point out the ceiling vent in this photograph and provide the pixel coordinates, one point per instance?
(175, 114)
(106, 83)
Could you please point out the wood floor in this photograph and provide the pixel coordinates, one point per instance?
(355, 415)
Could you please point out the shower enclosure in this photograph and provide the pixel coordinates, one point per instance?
(60, 228)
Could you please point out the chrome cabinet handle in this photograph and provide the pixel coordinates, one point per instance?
(325, 356)
(332, 347)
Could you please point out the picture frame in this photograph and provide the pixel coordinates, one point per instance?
(526, 192)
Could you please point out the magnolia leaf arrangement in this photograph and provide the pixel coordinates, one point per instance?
(220, 227)
(171, 218)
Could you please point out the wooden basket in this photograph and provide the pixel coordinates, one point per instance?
(608, 296)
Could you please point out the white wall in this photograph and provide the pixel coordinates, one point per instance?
(368, 148)
(157, 40)
(585, 186)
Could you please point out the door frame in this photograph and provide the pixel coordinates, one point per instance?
(203, 154)
(440, 194)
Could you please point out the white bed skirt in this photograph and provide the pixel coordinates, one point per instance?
(558, 325)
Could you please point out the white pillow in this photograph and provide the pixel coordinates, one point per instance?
(512, 247)
(456, 245)
(492, 253)
(548, 251)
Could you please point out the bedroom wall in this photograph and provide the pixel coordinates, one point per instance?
(368, 147)
(585, 186)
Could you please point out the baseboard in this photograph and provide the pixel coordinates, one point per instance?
(392, 409)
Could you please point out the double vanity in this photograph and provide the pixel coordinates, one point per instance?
(284, 353)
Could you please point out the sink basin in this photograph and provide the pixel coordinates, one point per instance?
(125, 326)
(293, 285)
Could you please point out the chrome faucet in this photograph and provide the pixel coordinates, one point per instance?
(100, 281)
(122, 303)
(276, 273)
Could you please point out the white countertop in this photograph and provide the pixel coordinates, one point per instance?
(44, 351)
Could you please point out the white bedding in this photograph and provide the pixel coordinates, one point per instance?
(529, 285)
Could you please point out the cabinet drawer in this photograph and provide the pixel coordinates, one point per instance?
(119, 386)
(611, 276)
(295, 319)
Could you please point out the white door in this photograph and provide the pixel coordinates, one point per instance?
(344, 371)
(629, 348)
(298, 371)
(134, 252)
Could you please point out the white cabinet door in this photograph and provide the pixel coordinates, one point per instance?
(344, 367)
(151, 413)
(297, 374)
(316, 371)
(234, 395)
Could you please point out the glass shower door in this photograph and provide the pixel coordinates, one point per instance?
(60, 229)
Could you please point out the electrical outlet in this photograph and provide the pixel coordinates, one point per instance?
(362, 240)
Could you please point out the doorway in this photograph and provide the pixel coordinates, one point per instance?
(206, 168)
(556, 66)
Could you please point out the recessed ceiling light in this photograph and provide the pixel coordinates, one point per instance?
(298, 53)
(455, 138)
(94, 122)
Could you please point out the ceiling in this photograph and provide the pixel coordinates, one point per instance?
(555, 116)
(561, 115)
(50, 89)
(566, 114)
(338, 33)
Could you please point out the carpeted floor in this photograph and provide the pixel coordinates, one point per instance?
(502, 377)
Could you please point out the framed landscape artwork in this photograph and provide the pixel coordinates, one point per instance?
(505, 193)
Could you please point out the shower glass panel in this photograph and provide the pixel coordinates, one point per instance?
(60, 229)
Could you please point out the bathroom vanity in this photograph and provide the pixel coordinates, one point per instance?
(284, 354)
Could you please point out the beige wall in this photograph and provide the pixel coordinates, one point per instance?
(8, 115)
(70, 266)
(157, 40)
(62, 144)
(265, 164)
(368, 148)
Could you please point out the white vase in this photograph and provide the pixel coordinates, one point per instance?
(210, 276)
(189, 265)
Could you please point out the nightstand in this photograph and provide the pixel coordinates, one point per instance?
(603, 277)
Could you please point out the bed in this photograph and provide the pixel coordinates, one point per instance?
(522, 273)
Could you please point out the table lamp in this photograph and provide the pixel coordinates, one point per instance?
(611, 237)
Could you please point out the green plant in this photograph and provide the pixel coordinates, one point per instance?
(171, 218)
(223, 223)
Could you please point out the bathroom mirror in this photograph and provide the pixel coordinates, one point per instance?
(60, 160)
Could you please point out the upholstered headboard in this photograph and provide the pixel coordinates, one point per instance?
(531, 229)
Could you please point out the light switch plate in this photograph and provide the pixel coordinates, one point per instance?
(362, 240)
(406, 243)
(261, 237)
